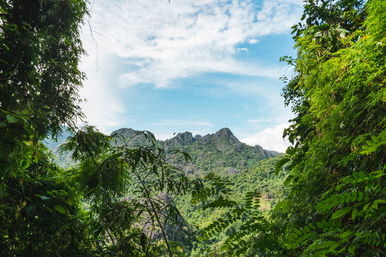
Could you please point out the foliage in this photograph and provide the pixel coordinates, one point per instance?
(335, 189)
(40, 210)
(121, 199)
(352, 213)
(217, 151)
(220, 152)
(132, 184)
(40, 50)
(86, 210)
(232, 222)
(336, 184)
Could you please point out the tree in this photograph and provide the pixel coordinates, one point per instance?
(40, 210)
(40, 51)
(335, 190)
(337, 163)
(127, 190)
(84, 211)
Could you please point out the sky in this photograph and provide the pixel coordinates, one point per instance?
(189, 65)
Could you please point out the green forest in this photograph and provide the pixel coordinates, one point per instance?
(71, 190)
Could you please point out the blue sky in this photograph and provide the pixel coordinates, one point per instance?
(191, 65)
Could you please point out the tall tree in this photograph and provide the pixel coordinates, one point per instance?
(39, 80)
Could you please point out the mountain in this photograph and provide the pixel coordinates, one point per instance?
(247, 168)
(221, 151)
(218, 151)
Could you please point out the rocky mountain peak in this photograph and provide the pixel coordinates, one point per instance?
(125, 132)
(219, 150)
(129, 136)
(226, 134)
(183, 138)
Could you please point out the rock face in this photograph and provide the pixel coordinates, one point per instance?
(125, 132)
(226, 134)
(218, 151)
(185, 138)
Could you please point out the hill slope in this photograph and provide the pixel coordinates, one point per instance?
(217, 151)
(220, 151)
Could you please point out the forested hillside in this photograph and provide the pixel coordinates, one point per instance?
(220, 151)
(325, 196)
(214, 156)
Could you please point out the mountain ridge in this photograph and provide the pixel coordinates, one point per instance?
(220, 151)
(214, 151)
(187, 137)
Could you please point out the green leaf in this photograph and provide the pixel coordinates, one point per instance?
(43, 197)
(327, 244)
(60, 209)
(376, 202)
(340, 213)
(11, 118)
(354, 214)
(360, 196)
(346, 234)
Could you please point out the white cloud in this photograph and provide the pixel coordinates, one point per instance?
(270, 138)
(162, 41)
(102, 105)
(157, 42)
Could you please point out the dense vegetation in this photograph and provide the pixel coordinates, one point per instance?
(244, 168)
(335, 190)
(336, 201)
(123, 199)
(40, 211)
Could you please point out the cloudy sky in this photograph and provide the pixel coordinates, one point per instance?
(189, 65)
